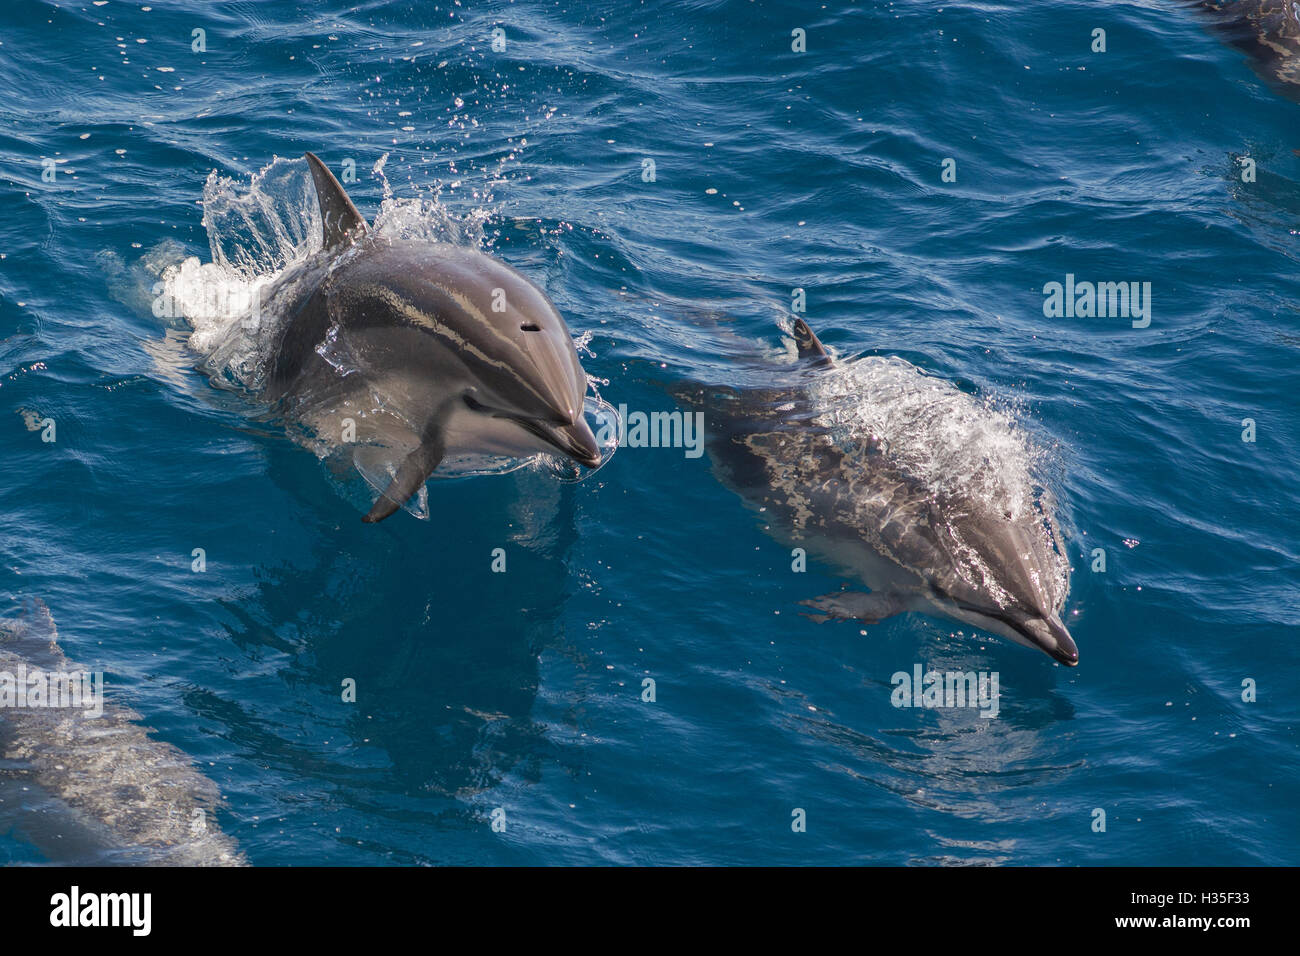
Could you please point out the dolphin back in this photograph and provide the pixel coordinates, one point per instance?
(896, 477)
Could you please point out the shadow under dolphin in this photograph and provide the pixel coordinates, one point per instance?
(443, 649)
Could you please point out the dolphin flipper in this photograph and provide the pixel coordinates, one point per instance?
(412, 473)
(340, 220)
(809, 346)
(858, 606)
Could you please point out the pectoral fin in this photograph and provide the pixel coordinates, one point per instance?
(857, 606)
(413, 472)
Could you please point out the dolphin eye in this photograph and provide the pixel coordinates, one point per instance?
(530, 327)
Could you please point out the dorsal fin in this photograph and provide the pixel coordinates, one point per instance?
(338, 216)
(809, 346)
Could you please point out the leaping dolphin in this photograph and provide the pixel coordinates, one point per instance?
(901, 480)
(428, 350)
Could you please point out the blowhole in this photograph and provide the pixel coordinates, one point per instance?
(530, 327)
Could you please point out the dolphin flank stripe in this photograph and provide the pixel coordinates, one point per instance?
(429, 321)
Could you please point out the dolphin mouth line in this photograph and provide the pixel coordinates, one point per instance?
(1062, 648)
(575, 440)
(1055, 642)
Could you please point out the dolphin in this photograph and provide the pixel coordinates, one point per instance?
(1269, 30)
(874, 492)
(95, 788)
(428, 351)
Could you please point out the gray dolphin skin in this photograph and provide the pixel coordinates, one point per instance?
(95, 789)
(1269, 30)
(937, 544)
(430, 349)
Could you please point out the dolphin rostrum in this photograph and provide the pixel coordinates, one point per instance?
(901, 480)
(426, 351)
(87, 784)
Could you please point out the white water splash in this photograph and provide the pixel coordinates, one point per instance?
(970, 456)
(946, 439)
(258, 232)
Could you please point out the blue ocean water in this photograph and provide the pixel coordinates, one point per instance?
(517, 697)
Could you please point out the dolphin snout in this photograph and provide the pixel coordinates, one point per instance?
(1050, 635)
(579, 443)
(575, 439)
(563, 384)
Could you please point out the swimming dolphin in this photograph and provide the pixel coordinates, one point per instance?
(870, 494)
(95, 789)
(1269, 30)
(429, 350)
